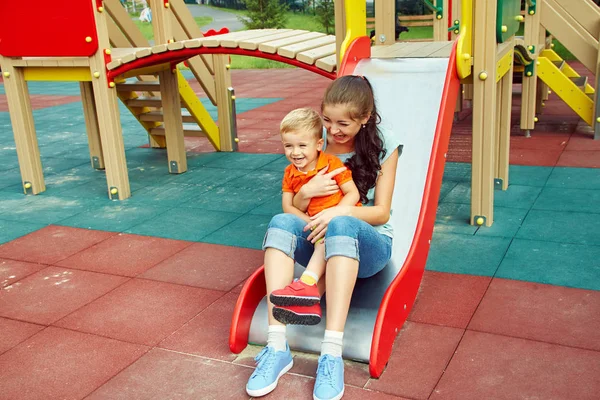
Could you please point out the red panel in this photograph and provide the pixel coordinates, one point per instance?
(359, 48)
(400, 295)
(252, 293)
(41, 28)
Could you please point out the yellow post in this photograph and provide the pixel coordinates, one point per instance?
(356, 23)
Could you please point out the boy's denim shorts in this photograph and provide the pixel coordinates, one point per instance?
(345, 236)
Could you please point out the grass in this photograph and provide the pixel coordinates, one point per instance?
(146, 27)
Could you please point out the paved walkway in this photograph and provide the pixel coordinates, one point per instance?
(221, 17)
(133, 299)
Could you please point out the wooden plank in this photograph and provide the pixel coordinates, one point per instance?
(384, 51)
(310, 56)
(215, 41)
(21, 116)
(252, 44)
(180, 34)
(293, 49)
(572, 35)
(585, 12)
(340, 26)
(116, 37)
(328, 63)
(175, 46)
(272, 46)
(233, 41)
(222, 83)
(529, 84)
(91, 125)
(161, 48)
(443, 52)
(124, 22)
(427, 49)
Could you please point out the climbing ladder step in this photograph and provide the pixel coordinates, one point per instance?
(157, 116)
(139, 86)
(188, 130)
(145, 102)
(559, 64)
(579, 81)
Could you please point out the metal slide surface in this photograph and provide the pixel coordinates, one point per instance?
(408, 93)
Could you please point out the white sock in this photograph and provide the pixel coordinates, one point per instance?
(332, 343)
(276, 337)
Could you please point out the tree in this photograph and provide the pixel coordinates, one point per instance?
(325, 15)
(264, 14)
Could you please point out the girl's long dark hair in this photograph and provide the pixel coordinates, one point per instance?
(356, 93)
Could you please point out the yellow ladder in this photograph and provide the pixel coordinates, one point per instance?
(571, 87)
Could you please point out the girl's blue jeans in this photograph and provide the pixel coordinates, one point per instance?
(345, 236)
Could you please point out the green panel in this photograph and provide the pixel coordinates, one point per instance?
(508, 10)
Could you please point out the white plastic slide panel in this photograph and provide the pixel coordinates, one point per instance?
(408, 94)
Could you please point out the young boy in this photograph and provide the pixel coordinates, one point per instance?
(302, 138)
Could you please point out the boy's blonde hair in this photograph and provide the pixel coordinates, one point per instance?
(302, 119)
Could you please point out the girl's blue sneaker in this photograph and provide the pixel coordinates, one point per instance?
(270, 366)
(330, 378)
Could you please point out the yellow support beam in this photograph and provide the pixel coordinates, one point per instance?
(62, 74)
(198, 111)
(356, 23)
(504, 64)
(464, 47)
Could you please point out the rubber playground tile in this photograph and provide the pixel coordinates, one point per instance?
(115, 216)
(11, 231)
(167, 194)
(184, 224)
(54, 164)
(12, 271)
(10, 177)
(421, 353)
(54, 88)
(247, 231)
(582, 142)
(208, 266)
(535, 157)
(232, 198)
(10, 199)
(277, 165)
(243, 161)
(195, 160)
(564, 199)
(581, 159)
(454, 218)
(446, 188)
(507, 222)
(574, 178)
(528, 175)
(523, 369)
(126, 255)
(14, 332)
(355, 373)
(478, 256)
(539, 312)
(205, 177)
(540, 140)
(354, 393)
(205, 335)
(516, 196)
(558, 226)
(457, 171)
(141, 311)
(448, 299)
(51, 244)
(62, 364)
(45, 209)
(9, 161)
(270, 207)
(561, 264)
(165, 374)
(53, 292)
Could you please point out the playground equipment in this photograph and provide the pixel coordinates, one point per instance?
(576, 24)
(416, 86)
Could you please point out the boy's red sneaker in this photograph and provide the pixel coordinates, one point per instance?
(296, 293)
(298, 315)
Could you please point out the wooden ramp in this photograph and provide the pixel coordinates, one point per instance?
(313, 51)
